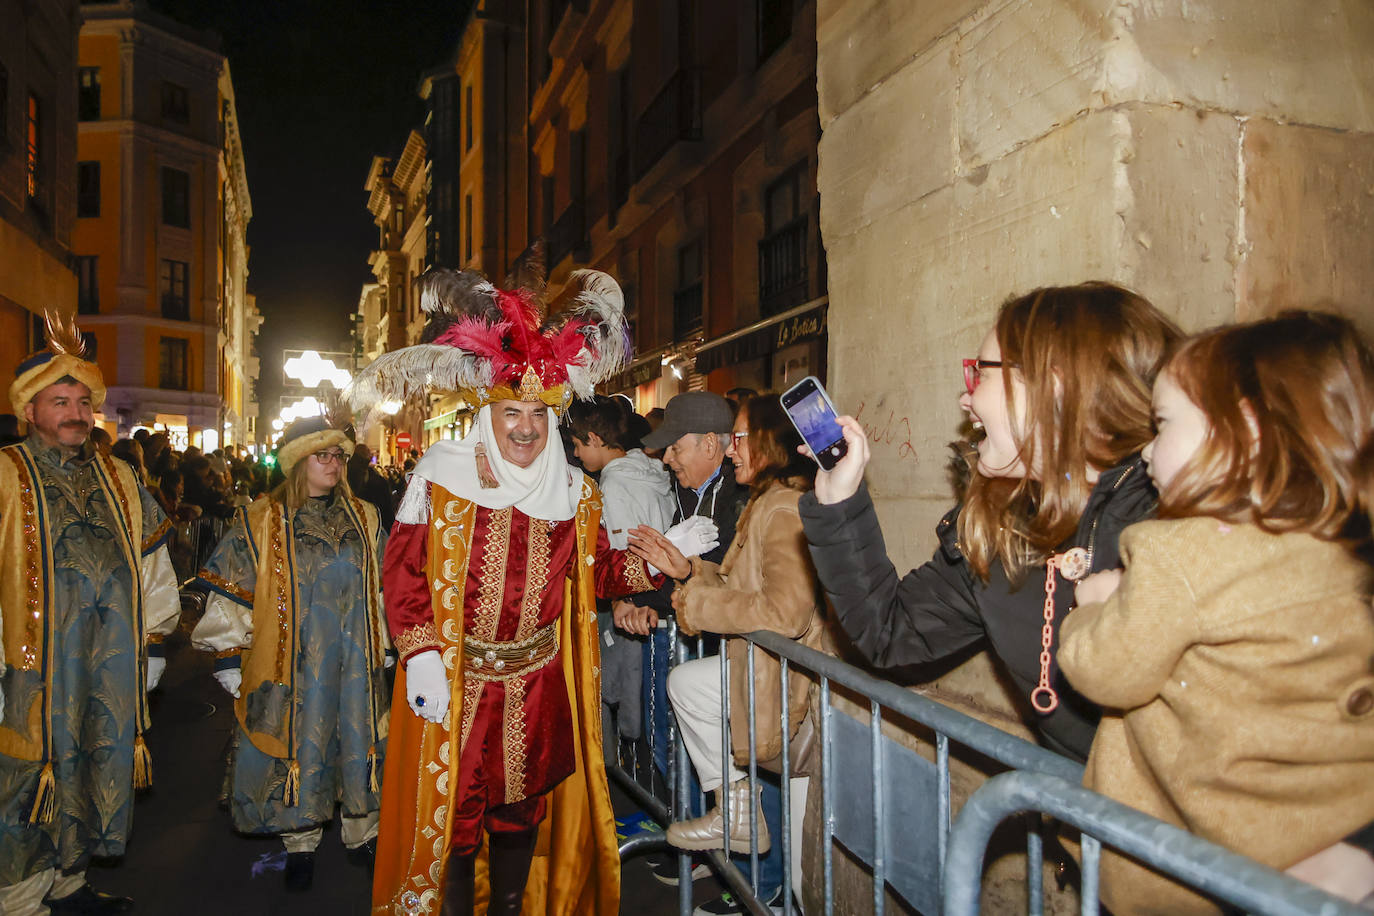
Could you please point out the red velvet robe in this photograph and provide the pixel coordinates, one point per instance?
(516, 740)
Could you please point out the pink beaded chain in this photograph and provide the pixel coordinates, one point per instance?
(1073, 565)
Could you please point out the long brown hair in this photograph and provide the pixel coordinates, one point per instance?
(773, 443)
(1289, 403)
(294, 491)
(1088, 356)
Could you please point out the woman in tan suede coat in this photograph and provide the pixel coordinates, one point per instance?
(766, 581)
(1234, 657)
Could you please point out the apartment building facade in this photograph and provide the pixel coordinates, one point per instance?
(160, 238)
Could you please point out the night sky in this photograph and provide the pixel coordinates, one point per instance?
(322, 86)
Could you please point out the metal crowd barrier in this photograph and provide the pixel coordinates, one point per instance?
(905, 799)
(1163, 847)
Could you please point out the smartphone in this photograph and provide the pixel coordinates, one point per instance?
(811, 412)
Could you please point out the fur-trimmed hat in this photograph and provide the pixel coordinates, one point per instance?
(308, 435)
(491, 344)
(64, 356)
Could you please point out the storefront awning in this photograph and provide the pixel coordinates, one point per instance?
(803, 323)
(647, 368)
(444, 419)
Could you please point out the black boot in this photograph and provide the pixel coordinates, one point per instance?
(509, 856)
(300, 871)
(458, 885)
(87, 901)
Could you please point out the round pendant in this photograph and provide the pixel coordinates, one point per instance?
(1074, 564)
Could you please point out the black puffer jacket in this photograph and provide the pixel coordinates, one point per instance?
(942, 607)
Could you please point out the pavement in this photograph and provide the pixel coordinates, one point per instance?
(184, 856)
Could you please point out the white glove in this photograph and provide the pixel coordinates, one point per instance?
(694, 536)
(389, 660)
(156, 665)
(427, 689)
(230, 679)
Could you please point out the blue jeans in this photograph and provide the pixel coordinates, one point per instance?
(770, 866)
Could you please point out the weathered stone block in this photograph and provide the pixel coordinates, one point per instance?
(1309, 218)
(1026, 69)
(1179, 212)
(1311, 62)
(860, 44)
(892, 147)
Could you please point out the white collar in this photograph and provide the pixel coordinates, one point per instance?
(547, 489)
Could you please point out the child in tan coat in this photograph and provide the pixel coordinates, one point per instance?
(1233, 655)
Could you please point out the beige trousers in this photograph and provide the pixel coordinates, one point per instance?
(26, 898)
(355, 831)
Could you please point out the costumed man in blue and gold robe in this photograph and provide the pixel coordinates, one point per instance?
(86, 594)
(295, 621)
(496, 788)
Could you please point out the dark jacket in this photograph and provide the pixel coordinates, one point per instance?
(724, 500)
(942, 607)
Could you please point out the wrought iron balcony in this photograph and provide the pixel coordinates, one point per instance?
(782, 268)
(568, 235)
(687, 310)
(673, 116)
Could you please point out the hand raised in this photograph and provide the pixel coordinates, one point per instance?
(842, 481)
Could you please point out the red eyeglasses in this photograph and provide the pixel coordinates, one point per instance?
(973, 371)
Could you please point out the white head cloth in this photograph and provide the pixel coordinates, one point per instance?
(548, 489)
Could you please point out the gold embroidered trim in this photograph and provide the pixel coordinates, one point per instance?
(157, 535)
(34, 619)
(472, 695)
(280, 578)
(416, 638)
(515, 741)
(492, 576)
(224, 585)
(536, 575)
(228, 653)
(156, 639)
(637, 574)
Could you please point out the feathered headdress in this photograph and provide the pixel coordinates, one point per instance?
(64, 356)
(493, 344)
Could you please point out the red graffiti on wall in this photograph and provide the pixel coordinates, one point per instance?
(894, 429)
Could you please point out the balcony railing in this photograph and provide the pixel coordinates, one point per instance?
(782, 268)
(177, 308)
(687, 310)
(673, 116)
(568, 235)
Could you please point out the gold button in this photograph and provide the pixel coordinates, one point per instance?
(1360, 702)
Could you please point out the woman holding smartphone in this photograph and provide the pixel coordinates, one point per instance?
(1060, 389)
(764, 582)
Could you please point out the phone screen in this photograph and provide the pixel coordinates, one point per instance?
(814, 417)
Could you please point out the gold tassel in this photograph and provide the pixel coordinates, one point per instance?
(143, 764)
(45, 804)
(293, 783)
(484, 474)
(372, 772)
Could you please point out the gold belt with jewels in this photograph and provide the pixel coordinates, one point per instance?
(502, 661)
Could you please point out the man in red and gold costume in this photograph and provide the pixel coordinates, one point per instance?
(496, 788)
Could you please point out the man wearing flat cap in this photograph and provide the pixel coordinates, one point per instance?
(694, 434)
(87, 593)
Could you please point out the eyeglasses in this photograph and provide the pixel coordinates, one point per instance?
(737, 437)
(973, 371)
(330, 455)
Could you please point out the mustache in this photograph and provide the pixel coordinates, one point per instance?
(524, 440)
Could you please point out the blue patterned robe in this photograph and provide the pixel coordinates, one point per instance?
(337, 675)
(88, 652)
